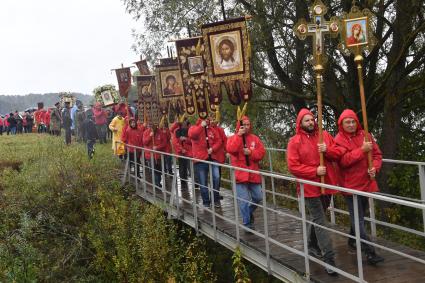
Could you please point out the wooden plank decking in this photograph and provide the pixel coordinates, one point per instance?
(288, 231)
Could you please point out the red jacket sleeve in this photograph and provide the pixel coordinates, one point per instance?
(217, 142)
(234, 144)
(333, 152)
(298, 169)
(195, 131)
(162, 143)
(352, 157)
(147, 136)
(124, 136)
(258, 152)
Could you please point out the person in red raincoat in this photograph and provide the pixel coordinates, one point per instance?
(46, 121)
(133, 136)
(154, 139)
(205, 143)
(182, 145)
(220, 155)
(168, 161)
(248, 185)
(304, 162)
(355, 173)
(1, 125)
(100, 120)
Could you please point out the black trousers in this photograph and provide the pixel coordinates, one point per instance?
(68, 135)
(183, 171)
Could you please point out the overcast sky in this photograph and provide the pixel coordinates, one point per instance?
(62, 45)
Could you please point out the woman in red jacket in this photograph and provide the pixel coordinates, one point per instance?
(248, 155)
(133, 135)
(154, 139)
(356, 174)
(205, 143)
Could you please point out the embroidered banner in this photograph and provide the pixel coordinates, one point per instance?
(227, 54)
(148, 104)
(124, 80)
(198, 97)
(170, 88)
(143, 67)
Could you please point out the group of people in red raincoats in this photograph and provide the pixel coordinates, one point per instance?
(345, 165)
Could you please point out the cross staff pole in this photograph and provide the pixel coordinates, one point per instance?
(317, 29)
(358, 59)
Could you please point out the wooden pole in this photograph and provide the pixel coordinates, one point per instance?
(358, 59)
(223, 11)
(318, 68)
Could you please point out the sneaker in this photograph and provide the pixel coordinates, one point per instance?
(250, 226)
(207, 205)
(217, 205)
(329, 271)
(315, 251)
(374, 258)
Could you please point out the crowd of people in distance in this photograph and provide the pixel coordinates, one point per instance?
(16, 123)
(345, 159)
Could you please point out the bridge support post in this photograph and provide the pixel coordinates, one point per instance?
(144, 170)
(126, 171)
(136, 169)
(266, 225)
(174, 191)
(422, 186)
(357, 234)
(195, 210)
(272, 179)
(235, 204)
(304, 225)
(372, 217)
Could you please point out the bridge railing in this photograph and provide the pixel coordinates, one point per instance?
(272, 152)
(172, 200)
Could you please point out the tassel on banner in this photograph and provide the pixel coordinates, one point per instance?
(198, 47)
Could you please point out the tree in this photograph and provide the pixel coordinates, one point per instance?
(394, 70)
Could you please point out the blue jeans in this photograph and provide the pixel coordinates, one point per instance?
(13, 130)
(250, 192)
(202, 172)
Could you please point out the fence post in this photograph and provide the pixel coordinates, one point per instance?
(422, 186)
(212, 200)
(304, 224)
(332, 209)
(266, 225)
(235, 204)
(271, 170)
(136, 169)
(372, 217)
(195, 210)
(164, 195)
(358, 240)
(153, 175)
(144, 170)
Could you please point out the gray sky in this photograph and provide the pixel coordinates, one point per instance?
(62, 45)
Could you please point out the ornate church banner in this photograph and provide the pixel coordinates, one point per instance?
(124, 80)
(197, 96)
(227, 54)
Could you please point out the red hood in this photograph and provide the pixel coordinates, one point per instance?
(348, 113)
(244, 119)
(300, 117)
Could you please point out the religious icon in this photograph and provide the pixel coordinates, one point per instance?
(226, 51)
(334, 27)
(107, 98)
(171, 83)
(302, 29)
(356, 32)
(196, 65)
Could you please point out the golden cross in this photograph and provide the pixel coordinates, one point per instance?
(317, 29)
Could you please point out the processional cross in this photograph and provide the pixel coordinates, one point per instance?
(317, 29)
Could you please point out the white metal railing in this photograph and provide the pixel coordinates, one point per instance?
(372, 219)
(171, 200)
